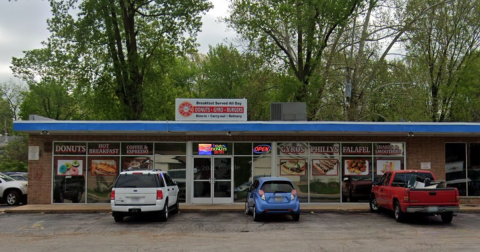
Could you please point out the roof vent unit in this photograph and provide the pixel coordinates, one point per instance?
(288, 111)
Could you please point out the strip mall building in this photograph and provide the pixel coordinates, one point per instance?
(214, 162)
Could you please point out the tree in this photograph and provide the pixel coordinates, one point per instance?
(441, 44)
(14, 156)
(13, 92)
(227, 73)
(118, 39)
(293, 33)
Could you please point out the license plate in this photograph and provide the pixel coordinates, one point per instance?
(134, 210)
(432, 209)
(278, 199)
(135, 199)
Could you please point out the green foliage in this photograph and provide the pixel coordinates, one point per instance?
(227, 73)
(292, 33)
(14, 156)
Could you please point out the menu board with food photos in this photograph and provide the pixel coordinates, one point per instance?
(356, 166)
(105, 166)
(293, 166)
(325, 167)
(69, 166)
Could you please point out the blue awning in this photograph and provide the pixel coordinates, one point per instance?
(248, 128)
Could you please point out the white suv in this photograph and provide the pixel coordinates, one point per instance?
(144, 191)
(12, 191)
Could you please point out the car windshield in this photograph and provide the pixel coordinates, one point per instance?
(277, 186)
(138, 181)
(6, 178)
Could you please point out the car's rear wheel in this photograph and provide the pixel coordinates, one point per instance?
(175, 208)
(247, 209)
(296, 217)
(118, 218)
(374, 204)
(399, 215)
(256, 216)
(12, 198)
(447, 217)
(164, 212)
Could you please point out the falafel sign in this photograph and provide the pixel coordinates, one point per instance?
(210, 109)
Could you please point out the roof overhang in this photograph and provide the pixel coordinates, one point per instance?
(317, 128)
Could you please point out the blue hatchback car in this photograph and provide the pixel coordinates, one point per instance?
(272, 195)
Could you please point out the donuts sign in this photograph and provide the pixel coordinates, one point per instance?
(210, 109)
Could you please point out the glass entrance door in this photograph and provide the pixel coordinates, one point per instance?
(212, 180)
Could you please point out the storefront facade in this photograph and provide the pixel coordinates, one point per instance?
(214, 163)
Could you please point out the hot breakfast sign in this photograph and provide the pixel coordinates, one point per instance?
(210, 109)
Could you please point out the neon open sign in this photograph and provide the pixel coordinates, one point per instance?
(260, 149)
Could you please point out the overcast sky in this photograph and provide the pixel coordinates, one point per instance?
(23, 27)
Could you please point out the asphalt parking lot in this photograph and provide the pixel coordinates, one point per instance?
(232, 231)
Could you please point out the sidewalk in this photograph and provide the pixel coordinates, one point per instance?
(239, 207)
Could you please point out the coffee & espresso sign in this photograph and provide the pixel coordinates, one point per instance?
(210, 109)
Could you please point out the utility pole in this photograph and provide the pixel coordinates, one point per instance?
(348, 92)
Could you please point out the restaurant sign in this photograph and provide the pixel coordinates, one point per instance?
(70, 148)
(210, 109)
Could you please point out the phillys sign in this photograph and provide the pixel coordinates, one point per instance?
(210, 109)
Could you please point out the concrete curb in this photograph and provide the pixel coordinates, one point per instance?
(53, 209)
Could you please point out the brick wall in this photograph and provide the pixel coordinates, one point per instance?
(418, 149)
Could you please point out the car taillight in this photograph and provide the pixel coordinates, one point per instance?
(112, 195)
(262, 194)
(159, 194)
(294, 193)
(457, 195)
(406, 196)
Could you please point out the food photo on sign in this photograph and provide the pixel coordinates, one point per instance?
(137, 163)
(69, 167)
(103, 167)
(356, 167)
(388, 165)
(293, 167)
(325, 167)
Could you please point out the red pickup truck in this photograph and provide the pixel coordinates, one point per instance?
(414, 192)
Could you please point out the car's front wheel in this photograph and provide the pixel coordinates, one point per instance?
(12, 198)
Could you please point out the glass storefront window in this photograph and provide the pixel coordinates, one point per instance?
(170, 149)
(473, 170)
(356, 178)
(242, 174)
(324, 189)
(69, 179)
(176, 168)
(455, 167)
(295, 168)
(242, 148)
(262, 166)
(101, 175)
